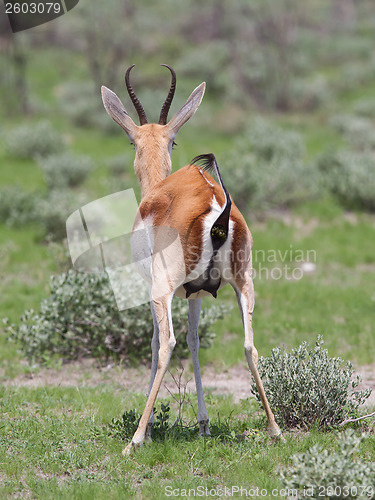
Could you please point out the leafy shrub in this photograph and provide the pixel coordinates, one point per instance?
(365, 107)
(341, 474)
(81, 103)
(309, 93)
(266, 169)
(125, 428)
(77, 102)
(307, 388)
(356, 74)
(208, 59)
(350, 176)
(80, 318)
(65, 169)
(269, 141)
(357, 46)
(51, 212)
(17, 207)
(119, 164)
(28, 141)
(358, 131)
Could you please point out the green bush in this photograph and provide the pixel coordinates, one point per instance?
(51, 212)
(307, 388)
(80, 318)
(356, 74)
(318, 473)
(125, 427)
(119, 164)
(28, 141)
(81, 103)
(77, 101)
(208, 59)
(350, 176)
(65, 169)
(357, 130)
(309, 93)
(17, 207)
(365, 107)
(266, 169)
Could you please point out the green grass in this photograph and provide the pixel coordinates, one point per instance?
(27, 264)
(63, 434)
(23, 173)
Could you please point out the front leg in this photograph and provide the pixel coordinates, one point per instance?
(245, 297)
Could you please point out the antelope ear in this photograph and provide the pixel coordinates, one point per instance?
(117, 112)
(187, 110)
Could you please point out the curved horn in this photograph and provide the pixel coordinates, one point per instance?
(168, 100)
(138, 106)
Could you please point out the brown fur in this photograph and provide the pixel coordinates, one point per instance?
(181, 201)
(152, 164)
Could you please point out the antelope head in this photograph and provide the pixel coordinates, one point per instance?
(152, 141)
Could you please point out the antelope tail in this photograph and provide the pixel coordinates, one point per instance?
(219, 230)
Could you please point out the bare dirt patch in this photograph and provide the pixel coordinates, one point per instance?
(368, 382)
(234, 381)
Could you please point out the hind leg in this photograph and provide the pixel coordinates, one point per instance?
(245, 298)
(193, 343)
(155, 345)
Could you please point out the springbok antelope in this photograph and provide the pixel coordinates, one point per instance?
(197, 241)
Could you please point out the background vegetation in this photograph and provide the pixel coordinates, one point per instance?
(289, 112)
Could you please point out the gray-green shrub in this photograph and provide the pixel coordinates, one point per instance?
(208, 59)
(28, 141)
(77, 101)
(358, 131)
(52, 211)
(309, 93)
(307, 388)
(318, 473)
(355, 74)
(365, 107)
(65, 169)
(80, 318)
(350, 176)
(266, 169)
(80, 102)
(119, 164)
(17, 207)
